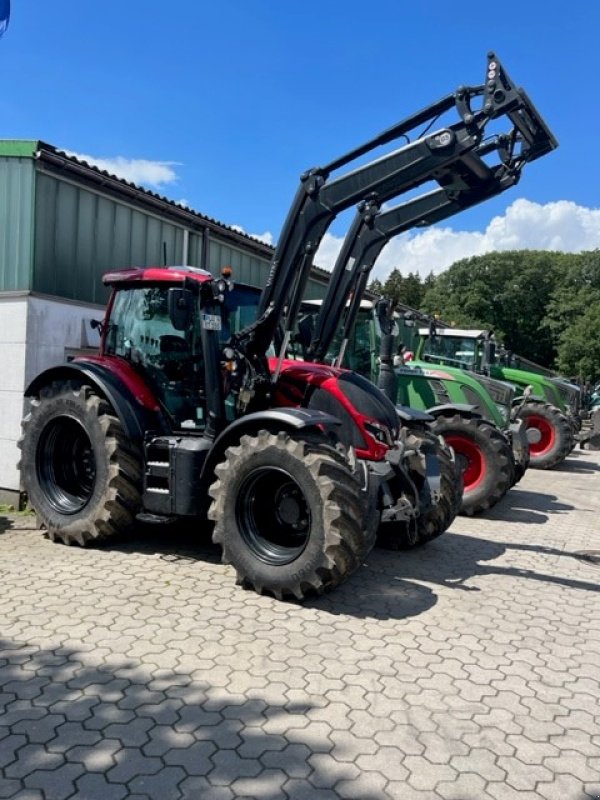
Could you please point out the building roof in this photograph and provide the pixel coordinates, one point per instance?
(61, 160)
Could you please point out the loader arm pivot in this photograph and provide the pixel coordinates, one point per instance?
(452, 156)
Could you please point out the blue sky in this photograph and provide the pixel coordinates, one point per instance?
(223, 105)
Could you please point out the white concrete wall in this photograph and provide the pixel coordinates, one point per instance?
(35, 333)
(53, 327)
(13, 332)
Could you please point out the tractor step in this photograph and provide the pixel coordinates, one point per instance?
(154, 519)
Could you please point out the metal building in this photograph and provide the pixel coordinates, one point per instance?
(63, 223)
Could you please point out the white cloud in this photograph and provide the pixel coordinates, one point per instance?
(561, 225)
(266, 237)
(136, 170)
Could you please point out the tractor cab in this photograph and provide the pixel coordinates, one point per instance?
(464, 349)
(161, 322)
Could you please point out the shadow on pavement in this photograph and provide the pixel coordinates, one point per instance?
(454, 558)
(577, 465)
(124, 729)
(378, 590)
(6, 523)
(521, 505)
(180, 541)
(389, 584)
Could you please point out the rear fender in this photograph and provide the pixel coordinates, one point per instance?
(135, 418)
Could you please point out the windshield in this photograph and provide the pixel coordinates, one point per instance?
(141, 332)
(361, 344)
(455, 351)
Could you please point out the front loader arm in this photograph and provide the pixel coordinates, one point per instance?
(452, 156)
(372, 229)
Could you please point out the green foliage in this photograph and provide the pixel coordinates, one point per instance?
(376, 286)
(577, 287)
(579, 348)
(542, 305)
(408, 290)
(507, 291)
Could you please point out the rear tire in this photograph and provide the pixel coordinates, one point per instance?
(289, 514)
(485, 457)
(82, 474)
(550, 435)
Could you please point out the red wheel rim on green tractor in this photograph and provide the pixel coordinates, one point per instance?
(541, 435)
(471, 460)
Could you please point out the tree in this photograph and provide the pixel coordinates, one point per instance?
(408, 291)
(376, 286)
(577, 287)
(507, 292)
(579, 349)
(392, 288)
(412, 290)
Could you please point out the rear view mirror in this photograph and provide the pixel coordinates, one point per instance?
(181, 307)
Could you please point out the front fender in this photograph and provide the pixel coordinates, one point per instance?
(408, 415)
(290, 420)
(528, 398)
(462, 408)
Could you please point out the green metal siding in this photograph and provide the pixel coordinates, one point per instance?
(80, 235)
(62, 226)
(315, 289)
(17, 181)
(251, 270)
(246, 268)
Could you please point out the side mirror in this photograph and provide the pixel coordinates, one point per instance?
(181, 308)
(489, 351)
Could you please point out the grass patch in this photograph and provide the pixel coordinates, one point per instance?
(9, 509)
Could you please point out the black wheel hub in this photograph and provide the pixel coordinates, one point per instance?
(288, 506)
(66, 466)
(273, 515)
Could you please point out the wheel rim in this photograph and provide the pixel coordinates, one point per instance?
(469, 459)
(66, 467)
(273, 516)
(544, 433)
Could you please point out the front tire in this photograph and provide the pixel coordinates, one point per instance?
(550, 435)
(81, 473)
(485, 457)
(288, 514)
(437, 517)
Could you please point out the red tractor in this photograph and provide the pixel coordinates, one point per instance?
(296, 463)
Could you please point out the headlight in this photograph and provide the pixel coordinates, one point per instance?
(504, 411)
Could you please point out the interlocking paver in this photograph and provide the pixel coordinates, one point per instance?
(467, 669)
(57, 783)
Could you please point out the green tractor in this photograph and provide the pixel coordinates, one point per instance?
(547, 406)
(472, 412)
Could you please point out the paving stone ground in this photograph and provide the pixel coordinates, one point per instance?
(467, 670)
